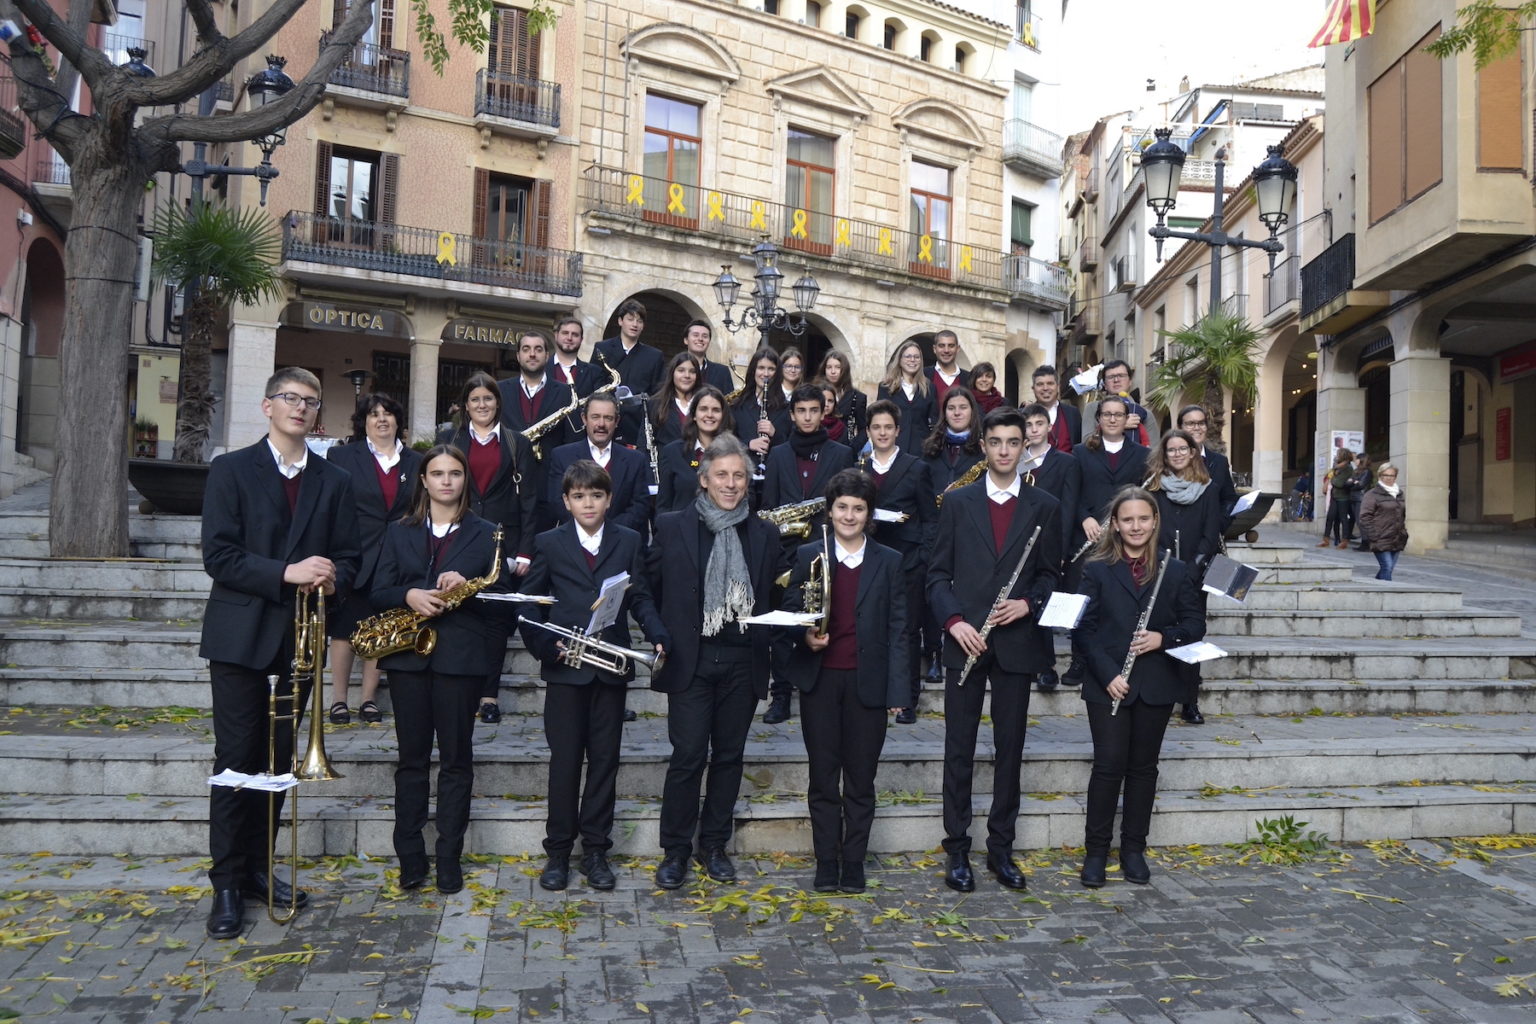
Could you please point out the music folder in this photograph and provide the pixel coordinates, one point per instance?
(1229, 578)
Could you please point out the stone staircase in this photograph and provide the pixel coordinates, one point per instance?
(1369, 710)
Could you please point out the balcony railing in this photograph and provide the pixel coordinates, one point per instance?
(426, 252)
(373, 68)
(51, 170)
(1032, 146)
(1328, 276)
(517, 98)
(1029, 32)
(714, 217)
(1088, 253)
(1235, 305)
(117, 46)
(1037, 281)
(1283, 286)
(13, 131)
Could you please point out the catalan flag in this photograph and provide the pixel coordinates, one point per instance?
(1347, 19)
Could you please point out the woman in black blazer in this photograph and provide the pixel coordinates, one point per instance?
(1110, 461)
(850, 404)
(907, 385)
(667, 407)
(503, 486)
(1119, 580)
(382, 470)
(848, 675)
(761, 414)
(953, 446)
(440, 545)
(678, 464)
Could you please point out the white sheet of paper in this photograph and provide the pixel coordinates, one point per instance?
(528, 598)
(1088, 380)
(890, 515)
(654, 489)
(1200, 650)
(1245, 502)
(263, 782)
(610, 598)
(1063, 610)
(781, 618)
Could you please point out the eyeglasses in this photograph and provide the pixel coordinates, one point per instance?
(1177, 451)
(294, 401)
(1191, 424)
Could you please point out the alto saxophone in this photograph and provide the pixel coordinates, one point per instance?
(614, 380)
(534, 431)
(793, 519)
(965, 479)
(404, 629)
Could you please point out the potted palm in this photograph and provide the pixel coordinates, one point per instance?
(218, 256)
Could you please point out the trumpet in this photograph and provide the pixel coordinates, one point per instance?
(309, 645)
(793, 519)
(594, 651)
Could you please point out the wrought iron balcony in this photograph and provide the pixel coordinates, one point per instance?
(51, 169)
(1236, 305)
(13, 130)
(517, 98)
(428, 253)
(1029, 148)
(1035, 282)
(372, 68)
(1283, 286)
(116, 46)
(1328, 276)
(710, 216)
(1088, 253)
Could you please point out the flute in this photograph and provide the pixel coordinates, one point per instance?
(1002, 595)
(1141, 624)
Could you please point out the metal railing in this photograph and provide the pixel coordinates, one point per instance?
(117, 47)
(1088, 252)
(1030, 143)
(373, 68)
(1328, 276)
(1035, 280)
(1282, 286)
(426, 252)
(1235, 305)
(51, 169)
(224, 91)
(715, 216)
(13, 130)
(1125, 268)
(517, 98)
(1029, 32)
(1091, 182)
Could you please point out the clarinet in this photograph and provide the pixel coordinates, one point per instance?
(1141, 624)
(997, 602)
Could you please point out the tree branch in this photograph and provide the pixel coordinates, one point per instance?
(201, 12)
(92, 64)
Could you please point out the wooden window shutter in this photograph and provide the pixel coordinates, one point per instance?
(389, 186)
(385, 16)
(542, 202)
(527, 47)
(482, 199)
(322, 179)
(338, 13)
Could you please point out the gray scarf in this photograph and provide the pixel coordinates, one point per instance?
(727, 583)
(1181, 491)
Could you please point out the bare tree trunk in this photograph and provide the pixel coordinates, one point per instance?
(194, 413)
(88, 516)
(1215, 413)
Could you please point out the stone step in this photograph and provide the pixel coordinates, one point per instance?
(104, 575)
(1251, 752)
(25, 535)
(1265, 553)
(82, 605)
(1301, 573)
(1363, 597)
(1373, 658)
(511, 826)
(1226, 618)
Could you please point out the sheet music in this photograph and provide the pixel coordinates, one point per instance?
(610, 600)
(263, 782)
(1063, 610)
(781, 618)
(1245, 502)
(889, 515)
(1200, 650)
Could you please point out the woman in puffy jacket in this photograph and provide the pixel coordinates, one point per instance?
(1383, 520)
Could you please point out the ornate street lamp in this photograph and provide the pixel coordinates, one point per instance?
(135, 65)
(765, 313)
(264, 87)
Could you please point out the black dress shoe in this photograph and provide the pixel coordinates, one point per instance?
(490, 712)
(1075, 672)
(828, 873)
(629, 715)
(1049, 681)
(1092, 875)
(852, 879)
(1133, 865)
(255, 887)
(778, 711)
(935, 667)
(1006, 871)
(556, 874)
(1191, 714)
(672, 872)
(906, 716)
(716, 863)
(413, 872)
(227, 915)
(450, 876)
(595, 867)
(959, 876)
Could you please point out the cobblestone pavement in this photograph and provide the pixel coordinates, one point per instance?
(1418, 932)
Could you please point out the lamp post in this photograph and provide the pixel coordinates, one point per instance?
(1274, 180)
(263, 87)
(765, 313)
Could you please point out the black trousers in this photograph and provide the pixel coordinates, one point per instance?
(429, 704)
(843, 740)
(238, 840)
(584, 724)
(962, 718)
(917, 614)
(707, 724)
(490, 686)
(1125, 750)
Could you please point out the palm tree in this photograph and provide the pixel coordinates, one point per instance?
(1215, 353)
(219, 256)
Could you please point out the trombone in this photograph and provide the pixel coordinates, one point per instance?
(309, 644)
(584, 649)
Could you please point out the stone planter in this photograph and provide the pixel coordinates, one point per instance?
(172, 488)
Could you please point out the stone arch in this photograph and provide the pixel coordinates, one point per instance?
(666, 313)
(681, 48)
(942, 121)
(42, 318)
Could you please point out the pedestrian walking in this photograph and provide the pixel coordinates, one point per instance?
(1336, 494)
(1383, 520)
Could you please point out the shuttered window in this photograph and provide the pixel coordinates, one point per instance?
(1404, 130)
(1500, 115)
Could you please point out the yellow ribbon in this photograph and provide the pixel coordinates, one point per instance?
(675, 199)
(884, 245)
(798, 229)
(758, 221)
(965, 257)
(925, 248)
(716, 212)
(446, 244)
(636, 190)
(843, 236)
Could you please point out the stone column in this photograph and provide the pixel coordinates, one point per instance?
(422, 415)
(1340, 406)
(1420, 432)
(252, 359)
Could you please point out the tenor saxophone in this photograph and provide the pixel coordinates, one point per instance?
(965, 479)
(404, 629)
(534, 431)
(793, 519)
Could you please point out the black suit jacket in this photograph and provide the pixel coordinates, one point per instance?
(1061, 476)
(941, 474)
(368, 496)
(880, 624)
(512, 500)
(1100, 483)
(249, 540)
(631, 501)
(642, 370)
(966, 572)
(1074, 422)
(470, 637)
(853, 410)
(907, 488)
(1221, 481)
(917, 416)
(720, 376)
(560, 569)
(746, 413)
(675, 567)
(552, 397)
(1192, 532)
(781, 484)
(671, 428)
(1103, 636)
(679, 483)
